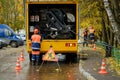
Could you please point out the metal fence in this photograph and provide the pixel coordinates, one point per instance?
(116, 54)
(113, 51)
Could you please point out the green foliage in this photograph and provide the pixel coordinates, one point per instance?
(12, 13)
(90, 15)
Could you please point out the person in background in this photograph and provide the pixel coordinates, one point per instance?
(91, 35)
(36, 41)
(85, 37)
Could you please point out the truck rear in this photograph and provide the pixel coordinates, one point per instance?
(57, 23)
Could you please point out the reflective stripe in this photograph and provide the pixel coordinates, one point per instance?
(35, 52)
(35, 48)
(33, 59)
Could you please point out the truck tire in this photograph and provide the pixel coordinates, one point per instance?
(71, 57)
(14, 44)
(0, 47)
(75, 58)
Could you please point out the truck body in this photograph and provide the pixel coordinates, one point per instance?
(57, 22)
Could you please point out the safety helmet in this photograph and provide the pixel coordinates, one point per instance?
(35, 31)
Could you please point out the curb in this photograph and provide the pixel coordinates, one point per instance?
(84, 73)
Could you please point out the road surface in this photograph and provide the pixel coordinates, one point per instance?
(48, 71)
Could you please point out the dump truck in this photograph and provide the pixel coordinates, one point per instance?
(57, 22)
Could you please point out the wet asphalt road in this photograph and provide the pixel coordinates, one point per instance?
(48, 71)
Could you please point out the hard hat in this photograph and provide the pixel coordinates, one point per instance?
(35, 30)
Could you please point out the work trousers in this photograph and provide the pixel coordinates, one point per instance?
(35, 57)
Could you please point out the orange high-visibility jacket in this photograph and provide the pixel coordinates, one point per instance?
(36, 39)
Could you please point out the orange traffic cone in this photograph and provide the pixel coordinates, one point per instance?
(94, 48)
(18, 60)
(18, 67)
(103, 69)
(22, 56)
(18, 72)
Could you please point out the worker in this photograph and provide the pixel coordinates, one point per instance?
(85, 37)
(36, 41)
(91, 35)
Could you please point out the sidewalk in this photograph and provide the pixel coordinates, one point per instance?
(92, 65)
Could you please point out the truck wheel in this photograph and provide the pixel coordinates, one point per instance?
(75, 58)
(67, 58)
(14, 44)
(71, 57)
(0, 47)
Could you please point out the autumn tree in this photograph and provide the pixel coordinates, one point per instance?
(12, 13)
(93, 13)
(113, 11)
(90, 16)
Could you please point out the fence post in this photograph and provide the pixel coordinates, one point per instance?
(108, 51)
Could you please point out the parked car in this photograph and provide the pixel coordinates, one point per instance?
(22, 36)
(9, 36)
(3, 44)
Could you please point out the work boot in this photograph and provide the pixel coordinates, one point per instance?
(37, 63)
(33, 63)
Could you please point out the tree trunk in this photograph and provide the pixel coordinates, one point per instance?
(104, 36)
(108, 35)
(116, 10)
(114, 24)
(111, 38)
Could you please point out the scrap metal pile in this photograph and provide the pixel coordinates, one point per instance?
(57, 25)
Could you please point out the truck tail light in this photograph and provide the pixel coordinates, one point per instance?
(70, 44)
